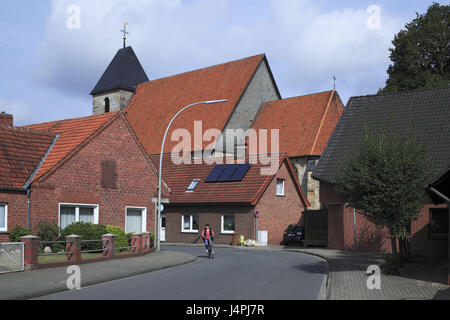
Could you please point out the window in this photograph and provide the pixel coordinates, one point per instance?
(3, 217)
(107, 108)
(71, 213)
(109, 175)
(189, 223)
(280, 187)
(136, 220)
(193, 185)
(228, 223)
(438, 222)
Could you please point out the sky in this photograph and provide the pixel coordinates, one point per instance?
(51, 56)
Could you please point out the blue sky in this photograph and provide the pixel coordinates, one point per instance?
(47, 70)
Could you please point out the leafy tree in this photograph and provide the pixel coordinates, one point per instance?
(384, 178)
(421, 53)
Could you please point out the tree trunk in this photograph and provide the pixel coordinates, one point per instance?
(394, 250)
(401, 242)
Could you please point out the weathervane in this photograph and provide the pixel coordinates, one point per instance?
(125, 34)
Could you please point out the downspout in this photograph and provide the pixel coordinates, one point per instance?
(28, 208)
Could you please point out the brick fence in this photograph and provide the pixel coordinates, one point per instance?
(140, 245)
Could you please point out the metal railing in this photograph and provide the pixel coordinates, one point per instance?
(11, 257)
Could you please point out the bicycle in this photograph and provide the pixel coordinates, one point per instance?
(210, 250)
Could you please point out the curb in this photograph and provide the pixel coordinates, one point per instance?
(100, 281)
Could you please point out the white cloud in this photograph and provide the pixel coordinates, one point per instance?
(306, 43)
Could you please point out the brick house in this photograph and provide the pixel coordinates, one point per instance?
(90, 169)
(196, 197)
(429, 112)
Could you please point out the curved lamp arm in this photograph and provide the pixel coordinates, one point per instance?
(158, 219)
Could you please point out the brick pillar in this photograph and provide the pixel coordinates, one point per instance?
(73, 248)
(31, 251)
(109, 245)
(146, 241)
(136, 242)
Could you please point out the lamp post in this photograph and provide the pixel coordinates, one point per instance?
(158, 218)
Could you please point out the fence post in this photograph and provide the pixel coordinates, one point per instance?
(136, 243)
(73, 249)
(146, 241)
(109, 244)
(31, 251)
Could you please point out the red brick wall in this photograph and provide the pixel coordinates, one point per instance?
(17, 210)
(78, 181)
(368, 237)
(277, 213)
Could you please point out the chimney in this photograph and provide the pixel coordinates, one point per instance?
(6, 119)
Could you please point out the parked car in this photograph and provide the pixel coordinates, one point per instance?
(294, 234)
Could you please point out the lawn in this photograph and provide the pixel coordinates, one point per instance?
(63, 257)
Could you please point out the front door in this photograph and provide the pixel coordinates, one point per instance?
(163, 228)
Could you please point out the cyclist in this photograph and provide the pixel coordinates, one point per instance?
(208, 237)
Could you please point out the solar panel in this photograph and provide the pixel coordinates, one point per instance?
(215, 174)
(240, 172)
(227, 173)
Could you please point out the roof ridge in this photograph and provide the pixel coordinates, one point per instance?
(262, 55)
(30, 130)
(67, 120)
(303, 96)
(403, 92)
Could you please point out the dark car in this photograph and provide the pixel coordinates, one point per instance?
(294, 234)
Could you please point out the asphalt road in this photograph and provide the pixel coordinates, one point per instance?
(233, 275)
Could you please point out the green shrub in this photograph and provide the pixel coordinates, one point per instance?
(49, 232)
(121, 237)
(87, 231)
(18, 232)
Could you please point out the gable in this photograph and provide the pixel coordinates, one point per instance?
(305, 123)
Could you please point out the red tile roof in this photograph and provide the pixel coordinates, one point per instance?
(21, 151)
(248, 191)
(156, 102)
(305, 123)
(73, 132)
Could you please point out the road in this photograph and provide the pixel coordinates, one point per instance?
(234, 274)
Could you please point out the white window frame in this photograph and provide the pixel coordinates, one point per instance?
(77, 207)
(222, 224)
(144, 217)
(191, 220)
(283, 193)
(5, 229)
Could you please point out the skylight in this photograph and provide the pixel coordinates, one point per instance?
(193, 185)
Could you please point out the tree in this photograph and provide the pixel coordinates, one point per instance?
(421, 53)
(384, 178)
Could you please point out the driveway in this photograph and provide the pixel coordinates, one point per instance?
(234, 274)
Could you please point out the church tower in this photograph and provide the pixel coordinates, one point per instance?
(119, 82)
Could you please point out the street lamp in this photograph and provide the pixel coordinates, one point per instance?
(158, 218)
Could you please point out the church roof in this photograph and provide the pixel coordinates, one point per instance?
(156, 102)
(124, 72)
(305, 123)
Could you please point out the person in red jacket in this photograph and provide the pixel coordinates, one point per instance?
(208, 236)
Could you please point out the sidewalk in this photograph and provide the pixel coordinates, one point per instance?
(347, 279)
(27, 285)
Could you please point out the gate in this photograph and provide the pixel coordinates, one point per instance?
(11, 257)
(316, 227)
